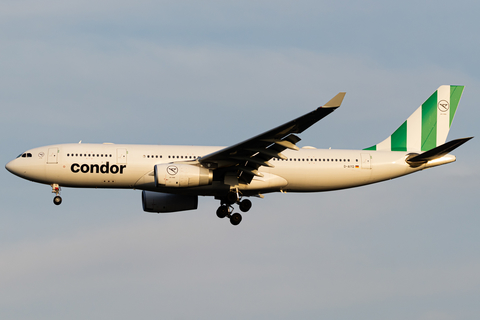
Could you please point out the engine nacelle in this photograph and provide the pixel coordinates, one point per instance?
(181, 175)
(166, 202)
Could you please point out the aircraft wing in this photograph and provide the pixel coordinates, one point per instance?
(242, 160)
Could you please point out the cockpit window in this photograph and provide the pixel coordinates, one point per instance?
(25, 155)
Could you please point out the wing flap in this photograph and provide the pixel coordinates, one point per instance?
(254, 160)
(268, 152)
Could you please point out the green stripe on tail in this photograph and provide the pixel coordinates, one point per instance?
(428, 126)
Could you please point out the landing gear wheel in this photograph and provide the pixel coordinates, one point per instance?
(245, 205)
(222, 212)
(235, 219)
(232, 197)
(57, 200)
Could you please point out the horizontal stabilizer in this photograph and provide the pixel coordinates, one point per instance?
(437, 152)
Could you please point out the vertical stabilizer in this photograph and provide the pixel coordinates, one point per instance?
(428, 126)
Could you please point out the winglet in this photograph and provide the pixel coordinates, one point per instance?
(336, 101)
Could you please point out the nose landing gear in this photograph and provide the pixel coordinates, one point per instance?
(226, 208)
(56, 189)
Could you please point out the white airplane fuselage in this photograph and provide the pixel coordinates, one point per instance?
(132, 166)
(172, 177)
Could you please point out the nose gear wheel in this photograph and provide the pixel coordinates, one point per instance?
(56, 189)
(57, 200)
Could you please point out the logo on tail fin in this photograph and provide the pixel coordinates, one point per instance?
(443, 106)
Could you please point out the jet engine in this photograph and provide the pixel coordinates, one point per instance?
(166, 202)
(181, 175)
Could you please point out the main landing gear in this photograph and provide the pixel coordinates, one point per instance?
(56, 189)
(226, 208)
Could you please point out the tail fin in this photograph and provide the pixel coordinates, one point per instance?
(428, 126)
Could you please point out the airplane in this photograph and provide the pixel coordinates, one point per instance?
(173, 177)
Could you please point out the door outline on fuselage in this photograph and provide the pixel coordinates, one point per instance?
(52, 156)
(366, 160)
(121, 156)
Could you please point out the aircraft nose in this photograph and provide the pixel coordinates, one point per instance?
(9, 166)
(12, 167)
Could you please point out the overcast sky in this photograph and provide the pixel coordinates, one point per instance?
(216, 73)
